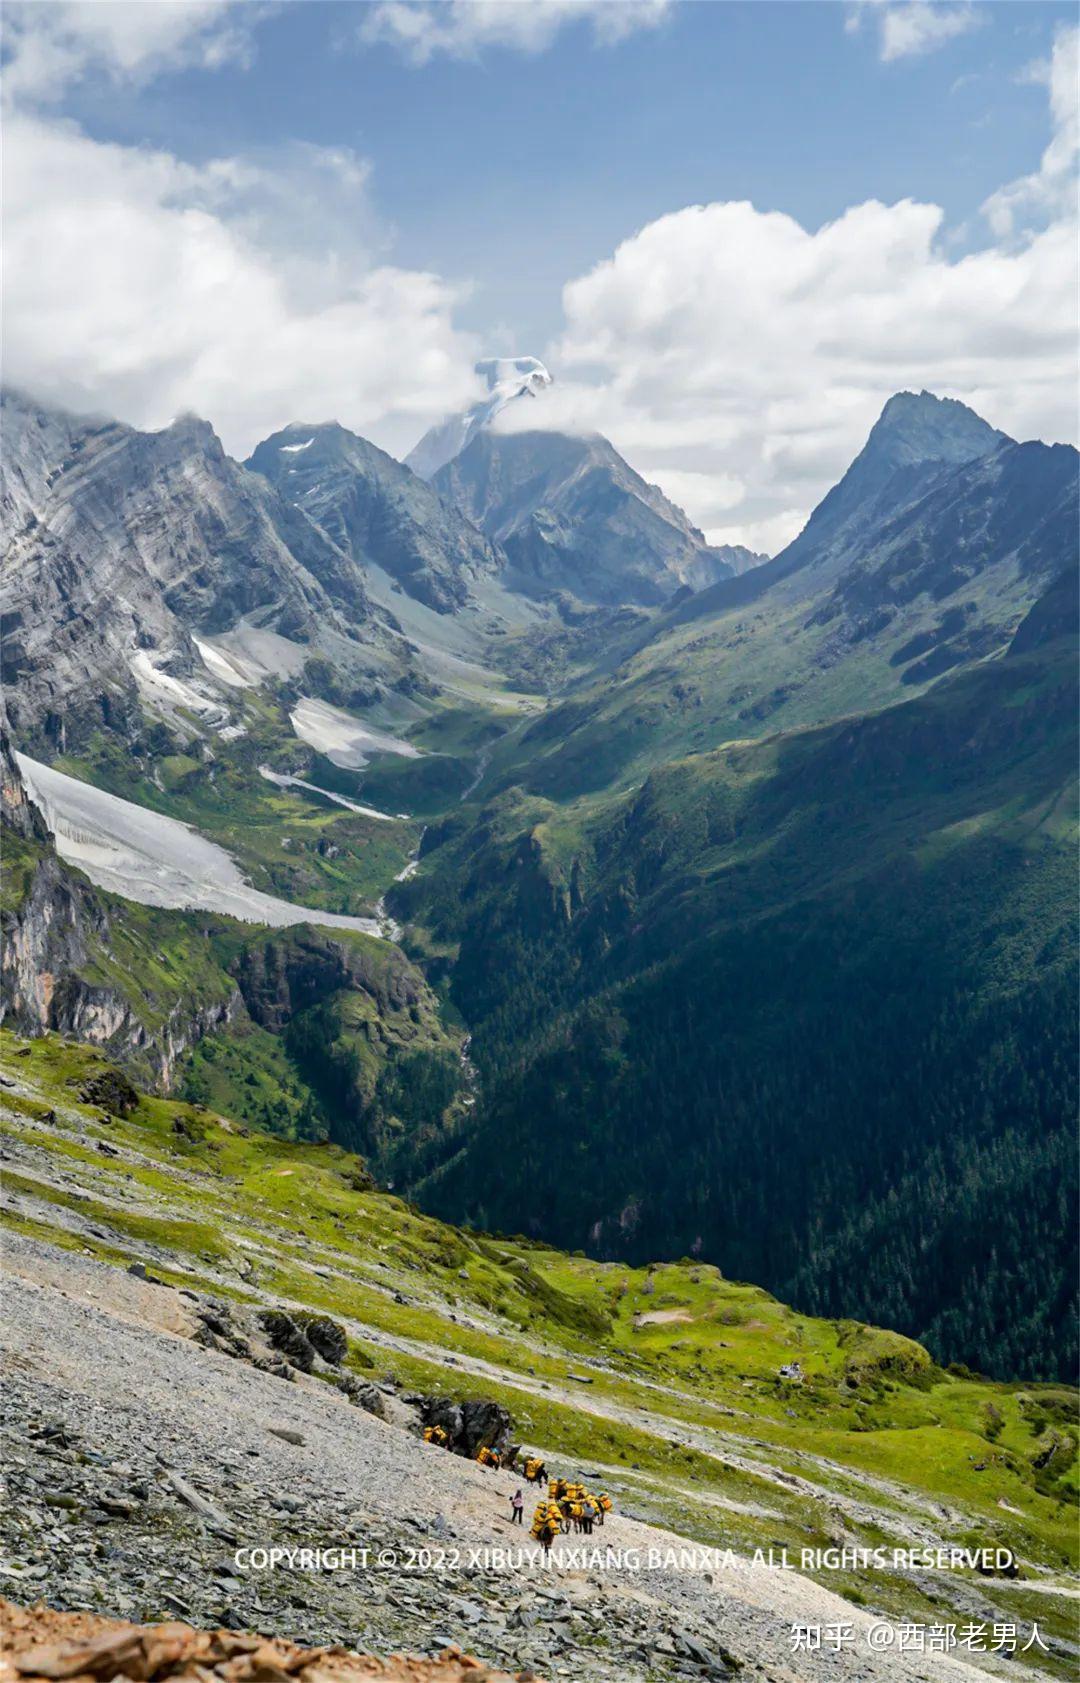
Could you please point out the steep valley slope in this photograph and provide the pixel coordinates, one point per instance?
(836, 971)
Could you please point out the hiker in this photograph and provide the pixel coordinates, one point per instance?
(545, 1525)
(517, 1506)
(488, 1457)
(588, 1514)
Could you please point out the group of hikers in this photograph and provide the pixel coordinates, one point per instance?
(567, 1507)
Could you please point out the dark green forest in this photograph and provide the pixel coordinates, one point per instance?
(806, 1009)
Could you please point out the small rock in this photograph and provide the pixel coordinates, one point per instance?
(118, 1506)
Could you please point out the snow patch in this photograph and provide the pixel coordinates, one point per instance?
(166, 692)
(345, 740)
(285, 781)
(223, 666)
(156, 860)
(292, 449)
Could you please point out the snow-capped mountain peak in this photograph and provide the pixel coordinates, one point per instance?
(512, 376)
(508, 378)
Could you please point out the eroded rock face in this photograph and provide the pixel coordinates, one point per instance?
(17, 811)
(120, 544)
(46, 942)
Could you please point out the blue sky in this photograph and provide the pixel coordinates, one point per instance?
(514, 172)
(732, 230)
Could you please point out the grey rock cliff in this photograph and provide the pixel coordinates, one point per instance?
(377, 511)
(118, 543)
(572, 515)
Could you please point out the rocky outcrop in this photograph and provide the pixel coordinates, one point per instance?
(326, 1337)
(46, 944)
(42, 990)
(378, 511)
(297, 968)
(470, 1426)
(290, 1339)
(112, 1090)
(41, 1644)
(18, 814)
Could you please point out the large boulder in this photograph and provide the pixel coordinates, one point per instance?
(470, 1426)
(327, 1336)
(112, 1091)
(293, 1342)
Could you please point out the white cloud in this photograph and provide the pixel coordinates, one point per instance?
(464, 28)
(255, 290)
(140, 286)
(921, 26)
(735, 357)
(725, 344)
(1051, 190)
(711, 494)
(910, 28)
(52, 43)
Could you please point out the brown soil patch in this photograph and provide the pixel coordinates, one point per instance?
(38, 1643)
(662, 1317)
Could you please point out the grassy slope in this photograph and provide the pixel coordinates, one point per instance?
(687, 685)
(686, 1414)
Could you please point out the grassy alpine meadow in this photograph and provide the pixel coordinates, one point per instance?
(702, 1403)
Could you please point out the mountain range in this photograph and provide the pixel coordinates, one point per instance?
(702, 903)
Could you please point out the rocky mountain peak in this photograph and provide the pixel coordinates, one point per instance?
(508, 379)
(920, 427)
(377, 511)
